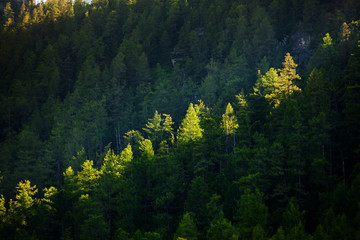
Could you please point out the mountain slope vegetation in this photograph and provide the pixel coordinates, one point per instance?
(180, 119)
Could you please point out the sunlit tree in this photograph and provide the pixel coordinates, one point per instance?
(190, 129)
(147, 149)
(8, 15)
(277, 85)
(229, 123)
(88, 176)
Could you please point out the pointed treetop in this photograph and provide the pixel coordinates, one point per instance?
(87, 178)
(154, 124)
(274, 86)
(229, 122)
(190, 129)
(289, 70)
(111, 163)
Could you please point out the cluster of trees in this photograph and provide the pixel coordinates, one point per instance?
(103, 135)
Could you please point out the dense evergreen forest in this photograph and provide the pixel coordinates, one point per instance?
(180, 119)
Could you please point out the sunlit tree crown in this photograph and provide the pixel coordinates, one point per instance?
(190, 129)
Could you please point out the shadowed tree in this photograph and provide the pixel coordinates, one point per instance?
(187, 228)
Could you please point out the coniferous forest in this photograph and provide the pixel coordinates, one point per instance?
(180, 119)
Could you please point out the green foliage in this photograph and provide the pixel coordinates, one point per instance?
(229, 123)
(111, 164)
(126, 155)
(190, 130)
(147, 149)
(187, 228)
(76, 76)
(222, 229)
(94, 228)
(292, 216)
(87, 177)
(153, 127)
(197, 198)
(251, 212)
(159, 128)
(276, 87)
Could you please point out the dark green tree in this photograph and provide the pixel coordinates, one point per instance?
(187, 228)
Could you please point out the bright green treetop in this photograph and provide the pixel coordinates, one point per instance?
(154, 124)
(126, 155)
(111, 163)
(87, 178)
(146, 148)
(157, 126)
(276, 85)
(190, 129)
(288, 75)
(25, 193)
(167, 123)
(19, 209)
(229, 123)
(48, 200)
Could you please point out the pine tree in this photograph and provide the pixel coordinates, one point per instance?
(154, 128)
(251, 212)
(243, 119)
(293, 222)
(167, 126)
(197, 198)
(21, 210)
(111, 164)
(288, 75)
(190, 129)
(146, 148)
(229, 123)
(222, 228)
(277, 85)
(24, 16)
(8, 15)
(88, 177)
(126, 155)
(187, 228)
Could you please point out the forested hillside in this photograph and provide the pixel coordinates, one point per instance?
(180, 119)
